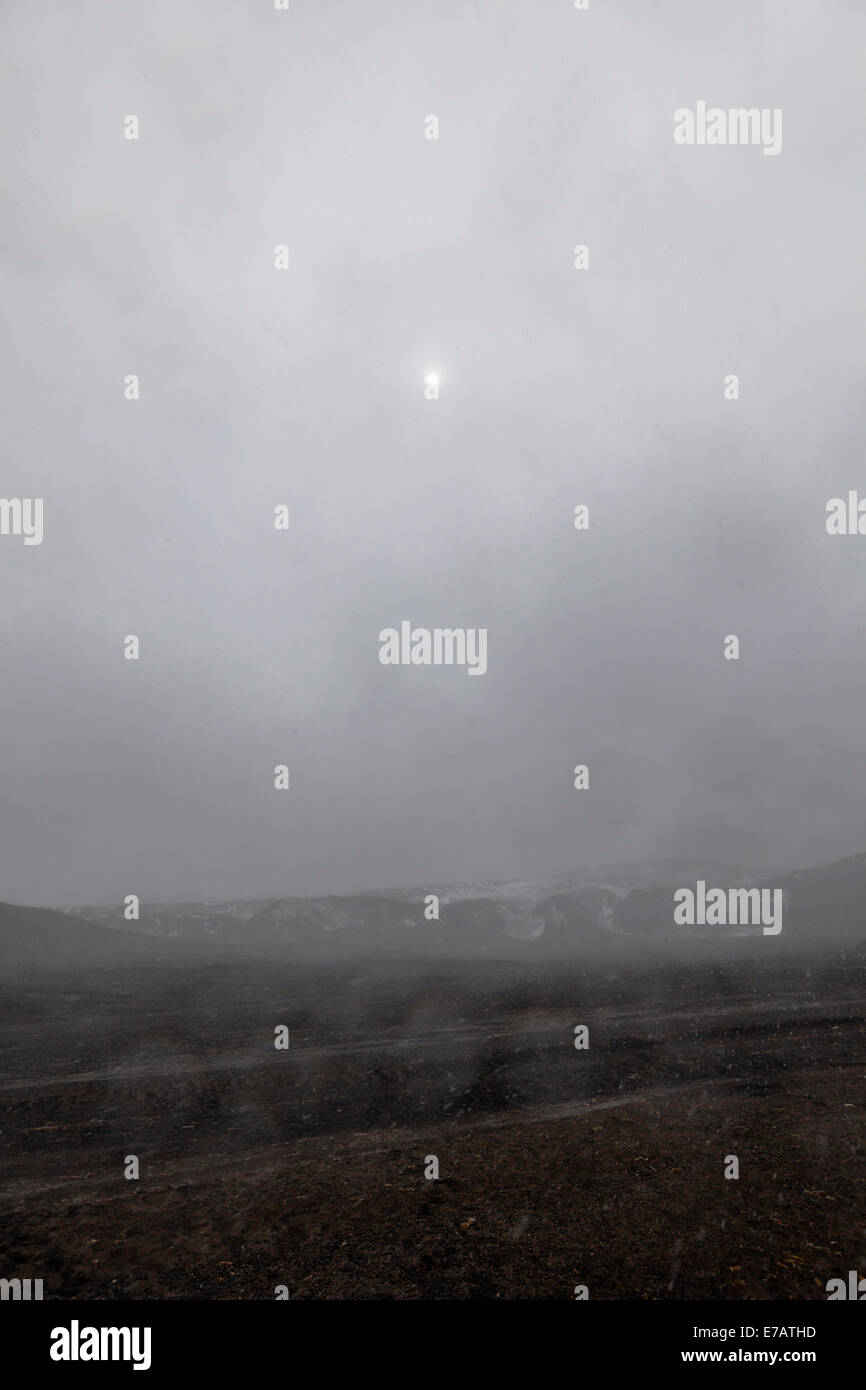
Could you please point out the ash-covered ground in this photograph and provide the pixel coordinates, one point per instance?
(558, 1166)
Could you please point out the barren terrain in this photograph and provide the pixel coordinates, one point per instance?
(558, 1166)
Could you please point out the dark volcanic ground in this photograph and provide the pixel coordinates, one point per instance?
(557, 1166)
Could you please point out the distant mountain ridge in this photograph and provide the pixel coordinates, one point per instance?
(618, 916)
(588, 915)
(40, 938)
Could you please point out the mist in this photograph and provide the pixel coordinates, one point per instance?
(305, 388)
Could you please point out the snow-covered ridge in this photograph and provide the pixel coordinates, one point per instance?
(584, 913)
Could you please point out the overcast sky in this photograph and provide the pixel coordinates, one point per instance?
(306, 387)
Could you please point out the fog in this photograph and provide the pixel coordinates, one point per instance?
(305, 387)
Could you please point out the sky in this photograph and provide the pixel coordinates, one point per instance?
(602, 386)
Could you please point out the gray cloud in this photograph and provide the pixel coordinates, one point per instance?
(558, 387)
